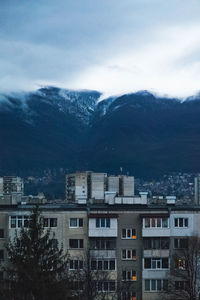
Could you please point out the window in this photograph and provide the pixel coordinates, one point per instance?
(101, 243)
(50, 222)
(156, 243)
(103, 264)
(129, 254)
(180, 264)
(102, 223)
(181, 243)
(129, 275)
(155, 285)
(76, 285)
(54, 243)
(76, 243)
(181, 285)
(76, 222)
(1, 233)
(76, 264)
(128, 233)
(129, 295)
(156, 263)
(155, 222)
(181, 222)
(106, 286)
(19, 221)
(1, 254)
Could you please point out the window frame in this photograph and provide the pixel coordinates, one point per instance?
(80, 243)
(133, 233)
(127, 256)
(102, 223)
(177, 222)
(130, 275)
(155, 222)
(78, 223)
(157, 262)
(96, 262)
(150, 281)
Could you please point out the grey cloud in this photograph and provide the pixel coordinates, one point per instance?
(55, 40)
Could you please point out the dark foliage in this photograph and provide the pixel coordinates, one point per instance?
(37, 267)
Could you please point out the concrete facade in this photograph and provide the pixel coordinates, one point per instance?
(132, 244)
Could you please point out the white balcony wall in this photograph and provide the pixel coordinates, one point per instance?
(182, 231)
(103, 253)
(157, 232)
(103, 231)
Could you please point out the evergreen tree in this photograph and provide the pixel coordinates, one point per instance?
(37, 266)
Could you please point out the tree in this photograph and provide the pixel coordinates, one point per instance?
(184, 279)
(37, 267)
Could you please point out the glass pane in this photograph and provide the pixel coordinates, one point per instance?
(153, 285)
(158, 222)
(165, 285)
(19, 221)
(133, 233)
(112, 265)
(153, 222)
(112, 286)
(97, 223)
(158, 285)
(154, 265)
(123, 253)
(100, 265)
(80, 264)
(108, 223)
(165, 263)
(80, 222)
(124, 233)
(186, 222)
(76, 264)
(165, 222)
(13, 222)
(147, 263)
(147, 222)
(73, 222)
(105, 264)
(180, 222)
(93, 265)
(81, 243)
(128, 233)
(102, 222)
(164, 243)
(147, 285)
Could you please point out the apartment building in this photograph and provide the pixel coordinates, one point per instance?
(130, 245)
(197, 189)
(83, 187)
(11, 189)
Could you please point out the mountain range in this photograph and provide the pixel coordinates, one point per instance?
(144, 134)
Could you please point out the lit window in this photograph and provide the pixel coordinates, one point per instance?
(128, 233)
(129, 275)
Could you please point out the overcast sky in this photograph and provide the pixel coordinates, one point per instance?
(114, 46)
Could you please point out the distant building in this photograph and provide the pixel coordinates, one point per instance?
(13, 184)
(197, 189)
(82, 187)
(11, 189)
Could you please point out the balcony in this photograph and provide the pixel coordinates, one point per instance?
(103, 253)
(102, 227)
